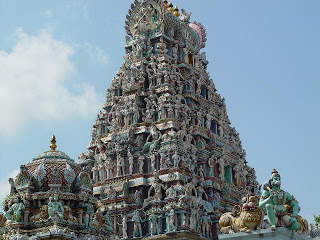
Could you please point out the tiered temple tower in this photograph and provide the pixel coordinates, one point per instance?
(163, 156)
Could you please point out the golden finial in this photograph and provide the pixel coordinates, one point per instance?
(170, 8)
(53, 145)
(176, 11)
(165, 3)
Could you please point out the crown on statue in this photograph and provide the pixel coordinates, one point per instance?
(274, 173)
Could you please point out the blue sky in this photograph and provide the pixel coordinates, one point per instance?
(57, 59)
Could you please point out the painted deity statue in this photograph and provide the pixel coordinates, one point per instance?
(154, 228)
(137, 220)
(55, 208)
(108, 224)
(156, 187)
(274, 199)
(14, 214)
(89, 214)
(171, 226)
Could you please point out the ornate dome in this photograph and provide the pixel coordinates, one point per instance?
(51, 169)
(53, 156)
(52, 198)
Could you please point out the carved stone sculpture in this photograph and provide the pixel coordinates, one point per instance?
(171, 221)
(14, 214)
(154, 228)
(55, 208)
(274, 199)
(244, 218)
(89, 214)
(137, 221)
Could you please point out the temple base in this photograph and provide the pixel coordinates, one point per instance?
(177, 236)
(267, 234)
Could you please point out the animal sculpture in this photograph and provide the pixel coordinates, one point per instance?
(244, 218)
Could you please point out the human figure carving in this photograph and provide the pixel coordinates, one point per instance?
(154, 229)
(274, 199)
(55, 208)
(89, 214)
(176, 159)
(141, 163)
(171, 221)
(157, 187)
(14, 214)
(137, 220)
(138, 197)
(131, 163)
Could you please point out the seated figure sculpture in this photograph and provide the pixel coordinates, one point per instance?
(55, 208)
(274, 199)
(14, 214)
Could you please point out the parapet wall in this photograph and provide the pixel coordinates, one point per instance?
(266, 234)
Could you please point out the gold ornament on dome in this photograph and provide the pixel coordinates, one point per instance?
(170, 8)
(53, 145)
(176, 11)
(165, 3)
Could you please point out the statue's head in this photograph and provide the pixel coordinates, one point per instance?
(275, 179)
(22, 168)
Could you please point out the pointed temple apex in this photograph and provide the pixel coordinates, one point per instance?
(53, 145)
(165, 2)
(176, 11)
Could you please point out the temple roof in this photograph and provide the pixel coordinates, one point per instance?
(53, 155)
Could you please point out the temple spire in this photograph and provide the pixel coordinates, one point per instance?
(53, 145)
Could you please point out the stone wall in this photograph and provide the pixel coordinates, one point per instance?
(266, 234)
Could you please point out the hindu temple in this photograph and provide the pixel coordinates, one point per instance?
(163, 162)
(164, 157)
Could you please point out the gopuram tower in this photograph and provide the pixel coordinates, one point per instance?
(164, 158)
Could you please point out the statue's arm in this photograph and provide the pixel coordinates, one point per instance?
(149, 192)
(61, 208)
(264, 199)
(293, 203)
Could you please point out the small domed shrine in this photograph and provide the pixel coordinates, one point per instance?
(51, 198)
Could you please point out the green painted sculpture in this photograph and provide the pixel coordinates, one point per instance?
(108, 224)
(89, 214)
(14, 214)
(55, 208)
(274, 199)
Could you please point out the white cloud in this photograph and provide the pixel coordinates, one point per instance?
(33, 79)
(5, 186)
(95, 53)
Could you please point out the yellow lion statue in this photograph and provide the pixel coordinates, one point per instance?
(42, 215)
(243, 218)
(68, 214)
